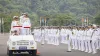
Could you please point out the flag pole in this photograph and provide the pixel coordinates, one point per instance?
(87, 21)
(82, 20)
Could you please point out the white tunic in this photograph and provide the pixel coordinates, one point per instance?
(26, 23)
(15, 23)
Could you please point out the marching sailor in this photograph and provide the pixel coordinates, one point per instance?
(94, 38)
(69, 35)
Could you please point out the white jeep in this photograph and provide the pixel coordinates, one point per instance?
(21, 43)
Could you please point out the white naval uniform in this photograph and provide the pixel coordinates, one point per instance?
(73, 38)
(94, 40)
(37, 35)
(88, 40)
(82, 40)
(69, 35)
(43, 36)
(15, 23)
(26, 23)
(63, 35)
(76, 39)
(55, 37)
(46, 34)
(99, 37)
(85, 41)
(21, 19)
(49, 36)
(79, 39)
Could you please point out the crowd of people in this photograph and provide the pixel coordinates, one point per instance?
(20, 25)
(85, 39)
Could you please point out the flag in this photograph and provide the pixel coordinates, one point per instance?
(87, 20)
(82, 19)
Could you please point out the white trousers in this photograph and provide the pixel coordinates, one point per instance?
(86, 46)
(82, 45)
(94, 46)
(25, 31)
(69, 44)
(89, 46)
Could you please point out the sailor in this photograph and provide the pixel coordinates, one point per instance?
(69, 35)
(57, 36)
(63, 35)
(82, 39)
(76, 38)
(86, 39)
(73, 37)
(22, 18)
(94, 38)
(42, 35)
(15, 25)
(46, 33)
(99, 36)
(49, 35)
(52, 35)
(37, 34)
(26, 25)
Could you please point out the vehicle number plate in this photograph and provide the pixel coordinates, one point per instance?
(22, 48)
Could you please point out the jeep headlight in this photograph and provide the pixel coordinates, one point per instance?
(31, 42)
(13, 43)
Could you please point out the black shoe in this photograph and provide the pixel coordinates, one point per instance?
(68, 51)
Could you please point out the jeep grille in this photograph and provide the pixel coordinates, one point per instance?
(22, 42)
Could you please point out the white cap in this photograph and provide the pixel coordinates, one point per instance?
(15, 17)
(94, 25)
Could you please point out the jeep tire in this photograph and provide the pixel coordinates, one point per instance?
(34, 53)
(10, 53)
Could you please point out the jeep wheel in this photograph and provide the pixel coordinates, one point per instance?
(10, 53)
(34, 53)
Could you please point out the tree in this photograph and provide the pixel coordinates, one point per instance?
(97, 19)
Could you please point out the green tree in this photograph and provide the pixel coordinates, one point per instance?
(97, 19)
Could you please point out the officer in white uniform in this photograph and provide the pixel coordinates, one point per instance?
(22, 18)
(26, 25)
(98, 37)
(78, 38)
(81, 38)
(57, 36)
(15, 25)
(94, 38)
(74, 37)
(69, 35)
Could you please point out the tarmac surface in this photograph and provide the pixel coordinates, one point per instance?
(45, 50)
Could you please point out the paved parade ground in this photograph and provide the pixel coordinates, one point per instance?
(45, 50)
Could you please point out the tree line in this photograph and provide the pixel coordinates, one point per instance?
(59, 12)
